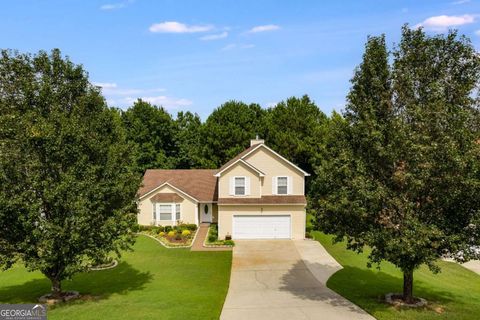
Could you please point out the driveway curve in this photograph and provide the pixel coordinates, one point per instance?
(284, 279)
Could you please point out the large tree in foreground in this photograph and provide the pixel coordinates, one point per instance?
(66, 188)
(403, 175)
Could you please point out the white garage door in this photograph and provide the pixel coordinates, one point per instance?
(261, 227)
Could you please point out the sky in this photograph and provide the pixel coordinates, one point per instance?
(196, 55)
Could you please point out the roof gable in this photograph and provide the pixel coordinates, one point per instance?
(243, 162)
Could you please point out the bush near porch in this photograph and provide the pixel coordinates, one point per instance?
(212, 237)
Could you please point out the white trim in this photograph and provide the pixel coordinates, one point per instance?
(196, 214)
(173, 187)
(260, 173)
(278, 155)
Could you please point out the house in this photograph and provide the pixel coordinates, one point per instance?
(257, 195)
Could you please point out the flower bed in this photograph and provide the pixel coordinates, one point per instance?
(179, 236)
(213, 241)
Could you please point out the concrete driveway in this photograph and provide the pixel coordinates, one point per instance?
(284, 279)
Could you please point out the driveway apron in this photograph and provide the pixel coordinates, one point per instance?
(284, 279)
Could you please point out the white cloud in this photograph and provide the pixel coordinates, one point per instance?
(237, 46)
(177, 27)
(164, 101)
(105, 85)
(443, 22)
(214, 36)
(477, 32)
(112, 6)
(117, 5)
(460, 2)
(264, 28)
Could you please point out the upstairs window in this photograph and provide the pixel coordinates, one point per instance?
(282, 185)
(239, 186)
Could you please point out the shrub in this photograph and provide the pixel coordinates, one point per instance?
(161, 234)
(188, 226)
(308, 235)
(161, 228)
(141, 228)
(178, 236)
(171, 234)
(229, 242)
(186, 233)
(212, 238)
(168, 228)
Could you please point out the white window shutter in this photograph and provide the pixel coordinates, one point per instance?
(289, 185)
(274, 185)
(232, 186)
(247, 186)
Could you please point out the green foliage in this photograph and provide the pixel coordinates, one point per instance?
(67, 190)
(213, 233)
(171, 234)
(228, 130)
(229, 242)
(188, 226)
(402, 173)
(296, 129)
(189, 142)
(153, 131)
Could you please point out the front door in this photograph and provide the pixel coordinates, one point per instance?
(206, 212)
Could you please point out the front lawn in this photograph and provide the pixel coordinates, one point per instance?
(152, 282)
(453, 294)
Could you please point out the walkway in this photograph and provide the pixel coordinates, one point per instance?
(202, 233)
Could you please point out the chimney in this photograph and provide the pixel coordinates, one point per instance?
(256, 141)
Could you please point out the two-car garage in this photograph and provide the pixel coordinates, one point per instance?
(261, 227)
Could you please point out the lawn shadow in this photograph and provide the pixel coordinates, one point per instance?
(367, 288)
(363, 287)
(95, 284)
(300, 282)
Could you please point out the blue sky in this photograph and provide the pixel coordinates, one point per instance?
(195, 55)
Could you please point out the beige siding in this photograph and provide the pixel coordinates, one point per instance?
(226, 213)
(271, 165)
(239, 170)
(145, 206)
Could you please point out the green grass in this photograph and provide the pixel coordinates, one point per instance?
(151, 282)
(453, 294)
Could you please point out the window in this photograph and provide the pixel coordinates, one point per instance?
(165, 211)
(239, 186)
(282, 185)
(177, 211)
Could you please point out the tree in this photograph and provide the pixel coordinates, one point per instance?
(153, 131)
(67, 191)
(296, 129)
(188, 141)
(228, 130)
(403, 171)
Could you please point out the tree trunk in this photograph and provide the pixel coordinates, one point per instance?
(56, 287)
(408, 286)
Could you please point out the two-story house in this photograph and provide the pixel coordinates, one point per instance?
(257, 195)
